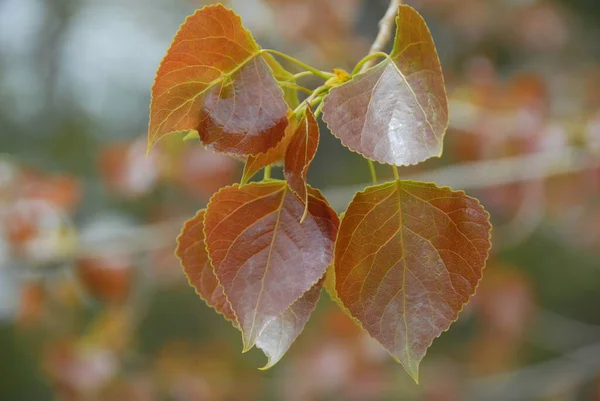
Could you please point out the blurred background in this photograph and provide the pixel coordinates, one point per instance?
(93, 304)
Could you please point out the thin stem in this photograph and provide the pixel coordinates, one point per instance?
(303, 74)
(360, 67)
(267, 173)
(396, 175)
(294, 86)
(373, 172)
(319, 109)
(321, 74)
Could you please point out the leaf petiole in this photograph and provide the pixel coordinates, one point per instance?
(267, 173)
(321, 74)
(303, 74)
(319, 109)
(373, 172)
(366, 59)
(294, 86)
(396, 175)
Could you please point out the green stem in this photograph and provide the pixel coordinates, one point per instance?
(294, 86)
(321, 74)
(303, 74)
(366, 59)
(319, 109)
(373, 172)
(267, 173)
(396, 175)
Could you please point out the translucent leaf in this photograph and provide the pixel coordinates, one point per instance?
(213, 80)
(408, 256)
(262, 256)
(397, 111)
(300, 153)
(279, 333)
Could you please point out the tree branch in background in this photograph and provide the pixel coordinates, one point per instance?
(386, 31)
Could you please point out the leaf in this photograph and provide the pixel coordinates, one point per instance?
(300, 153)
(262, 256)
(408, 256)
(214, 80)
(255, 163)
(191, 251)
(281, 74)
(282, 330)
(397, 111)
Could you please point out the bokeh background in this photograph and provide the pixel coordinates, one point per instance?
(93, 304)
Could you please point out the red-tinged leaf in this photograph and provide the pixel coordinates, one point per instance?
(408, 257)
(397, 111)
(191, 251)
(282, 330)
(214, 80)
(262, 256)
(300, 153)
(255, 163)
(281, 74)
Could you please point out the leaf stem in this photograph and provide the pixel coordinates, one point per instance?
(321, 74)
(303, 74)
(363, 64)
(267, 173)
(396, 175)
(319, 109)
(373, 172)
(294, 86)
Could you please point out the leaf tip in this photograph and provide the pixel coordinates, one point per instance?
(269, 365)
(246, 347)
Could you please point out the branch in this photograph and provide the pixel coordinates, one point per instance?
(386, 29)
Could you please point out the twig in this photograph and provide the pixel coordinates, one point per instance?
(386, 29)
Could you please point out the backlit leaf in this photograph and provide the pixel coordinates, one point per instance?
(255, 163)
(214, 80)
(408, 256)
(397, 111)
(282, 331)
(262, 256)
(300, 153)
(279, 333)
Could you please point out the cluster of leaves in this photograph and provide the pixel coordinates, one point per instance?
(405, 256)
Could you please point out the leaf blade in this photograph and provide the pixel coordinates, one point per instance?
(255, 163)
(408, 257)
(280, 333)
(213, 80)
(300, 154)
(276, 259)
(397, 111)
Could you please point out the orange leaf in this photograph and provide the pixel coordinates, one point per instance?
(262, 256)
(300, 153)
(280, 333)
(397, 111)
(214, 81)
(408, 256)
